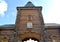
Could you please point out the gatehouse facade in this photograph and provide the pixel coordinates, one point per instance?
(30, 25)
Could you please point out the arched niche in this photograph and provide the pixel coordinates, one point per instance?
(54, 38)
(4, 39)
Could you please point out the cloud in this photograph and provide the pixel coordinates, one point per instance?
(3, 7)
(53, 14)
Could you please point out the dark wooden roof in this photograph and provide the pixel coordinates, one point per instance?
(52, 25)
(7, 26)
(47, 25)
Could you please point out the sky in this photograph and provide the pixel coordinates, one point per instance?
(50, 11)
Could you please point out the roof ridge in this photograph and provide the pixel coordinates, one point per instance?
(29, 4)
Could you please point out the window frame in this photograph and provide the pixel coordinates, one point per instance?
(29, 18)
(29, 24)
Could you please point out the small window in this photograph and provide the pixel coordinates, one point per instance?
(29, 18)
(29, 25)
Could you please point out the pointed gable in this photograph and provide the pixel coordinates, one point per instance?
(29, 4)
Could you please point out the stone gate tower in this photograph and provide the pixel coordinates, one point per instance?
(29, 23)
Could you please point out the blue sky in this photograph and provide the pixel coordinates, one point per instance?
(50, 10)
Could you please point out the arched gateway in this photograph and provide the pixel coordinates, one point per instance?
(30, 40)
(29, 23)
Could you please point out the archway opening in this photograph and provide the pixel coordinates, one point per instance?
(30, 40)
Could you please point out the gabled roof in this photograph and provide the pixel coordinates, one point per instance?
(47, 25)
(29, 4)
(7, 26)
(51, 24)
